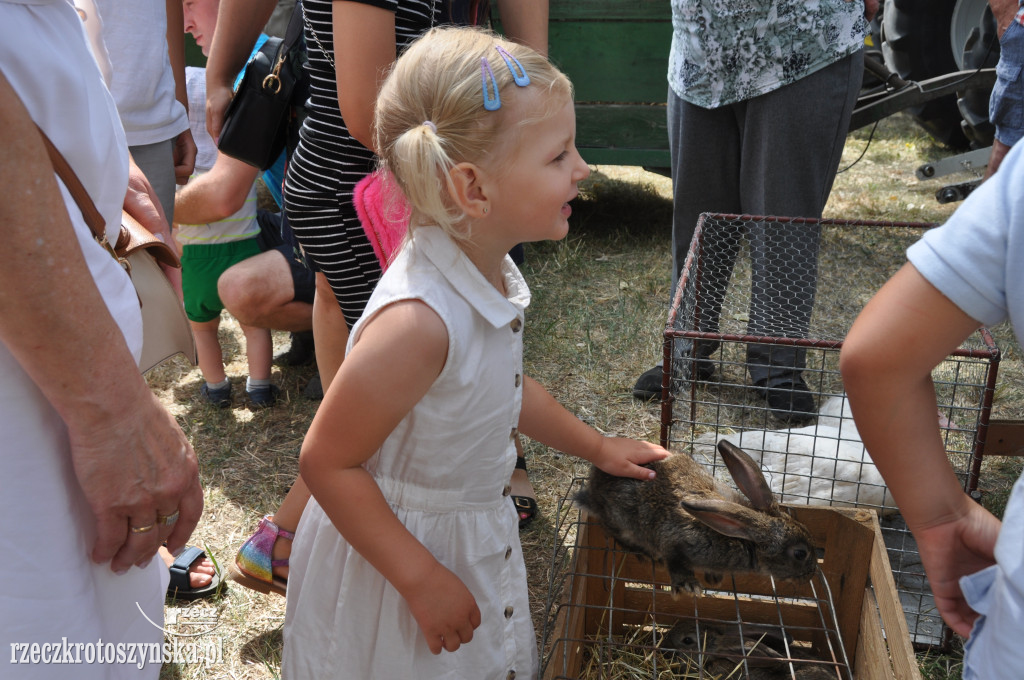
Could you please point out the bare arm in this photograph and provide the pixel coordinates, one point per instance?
(995, 157)
(542, 418)
(870, 9)
(130, 458)
(239, 23)
(526, 22)
(353, 421)
(364, 49)
(216, 194)
(184, 145)
(1003, 11)
(893, 401)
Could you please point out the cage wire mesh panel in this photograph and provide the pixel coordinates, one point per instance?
(612, 614)
(777, 295)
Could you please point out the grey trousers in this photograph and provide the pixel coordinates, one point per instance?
(776, 154)
(157, 162)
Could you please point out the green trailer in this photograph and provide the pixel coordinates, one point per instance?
(616, 54)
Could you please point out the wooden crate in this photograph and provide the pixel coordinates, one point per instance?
(849, 614)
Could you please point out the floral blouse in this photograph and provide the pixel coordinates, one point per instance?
(727, 51)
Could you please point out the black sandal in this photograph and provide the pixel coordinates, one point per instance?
(526, 506)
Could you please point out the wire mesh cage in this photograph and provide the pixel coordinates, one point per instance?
(613, 616)
(751, 354)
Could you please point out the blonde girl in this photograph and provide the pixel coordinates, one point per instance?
(407, 562)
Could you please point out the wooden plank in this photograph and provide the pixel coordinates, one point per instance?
(848, 538)
(609, 10)
(613, 62)
(656, 161)
(1005, 438)
(897, 635)
(626, 126)
(867, 662)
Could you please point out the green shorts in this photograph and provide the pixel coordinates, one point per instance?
(201, 266)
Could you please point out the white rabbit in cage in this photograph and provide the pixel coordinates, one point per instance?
(825, 463)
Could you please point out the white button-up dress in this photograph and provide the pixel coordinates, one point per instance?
(445, 471)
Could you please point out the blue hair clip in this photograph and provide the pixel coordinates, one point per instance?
(490, 103)
(519, 76)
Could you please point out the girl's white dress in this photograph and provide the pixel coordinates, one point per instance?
(445, 472)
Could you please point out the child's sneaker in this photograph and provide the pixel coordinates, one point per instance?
(263, 397)
(218, 396)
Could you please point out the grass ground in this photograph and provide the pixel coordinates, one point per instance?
(599, 305)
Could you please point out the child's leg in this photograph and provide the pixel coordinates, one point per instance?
(211, 360)
(287, 516)
(259, 351)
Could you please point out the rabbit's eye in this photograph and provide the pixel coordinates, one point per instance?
(799, 553)
(689, 640)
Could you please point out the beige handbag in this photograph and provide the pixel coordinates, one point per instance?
(165, 328)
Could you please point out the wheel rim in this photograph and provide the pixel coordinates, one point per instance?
(967, 15)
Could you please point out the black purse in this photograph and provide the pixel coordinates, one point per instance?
(270, 99)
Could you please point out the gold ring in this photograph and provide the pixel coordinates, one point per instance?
(142, 530)
(168, 520)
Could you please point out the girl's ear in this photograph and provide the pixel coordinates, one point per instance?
(467, 190)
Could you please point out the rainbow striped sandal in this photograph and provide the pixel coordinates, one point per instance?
(254, 566)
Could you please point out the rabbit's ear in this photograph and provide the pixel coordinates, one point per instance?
(725, 517)
(747, 475)
(757, 652)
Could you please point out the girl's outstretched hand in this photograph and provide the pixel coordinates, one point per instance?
(444, 609)
(624, 457)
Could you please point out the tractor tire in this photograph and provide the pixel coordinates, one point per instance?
(916, 45)
(981, 50)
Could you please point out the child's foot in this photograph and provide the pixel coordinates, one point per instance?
(263, 397)
(218, 396)
(193, 574)
(262, 561)
(523, 494)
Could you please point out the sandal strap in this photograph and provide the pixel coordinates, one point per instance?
(278, 532)
(179, 570)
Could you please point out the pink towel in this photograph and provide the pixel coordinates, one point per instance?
(383, 212)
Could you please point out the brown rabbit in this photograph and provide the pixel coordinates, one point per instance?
(761, 652)
(683, 519)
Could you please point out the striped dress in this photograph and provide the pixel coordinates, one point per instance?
(329, 162)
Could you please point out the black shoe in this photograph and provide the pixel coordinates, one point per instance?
(648, 385)
(314, 389)
(301, 351)
(218, 396)
(791, 403)
(263, 397)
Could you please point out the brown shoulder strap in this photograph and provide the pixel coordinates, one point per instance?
(67, 175)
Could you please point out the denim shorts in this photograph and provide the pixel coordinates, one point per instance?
(1006, 107)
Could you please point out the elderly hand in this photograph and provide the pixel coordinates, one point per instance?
(140, 477)
(142, 203)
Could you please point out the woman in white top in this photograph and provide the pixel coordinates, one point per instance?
(96, 472)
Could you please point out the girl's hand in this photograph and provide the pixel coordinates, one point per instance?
(444, 609)
(624, 457)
